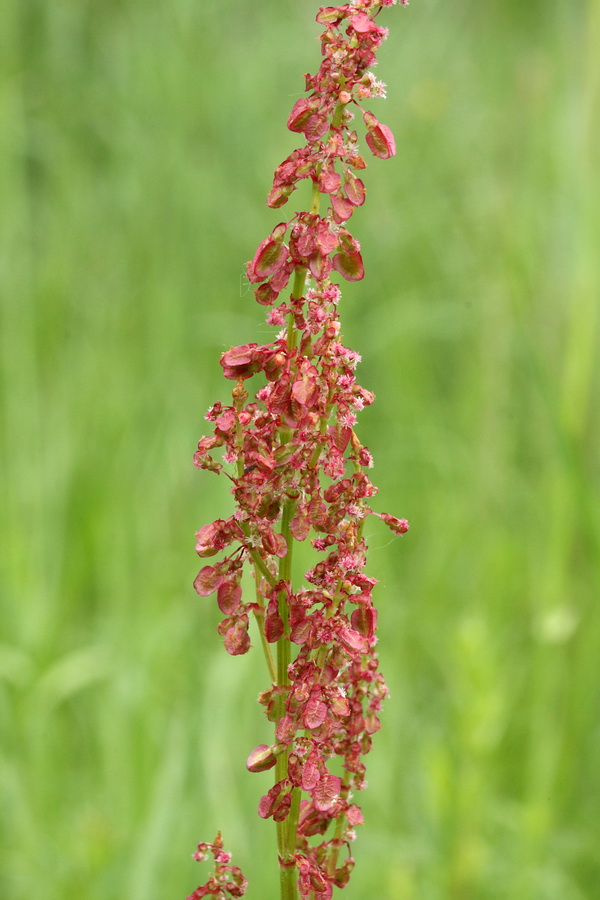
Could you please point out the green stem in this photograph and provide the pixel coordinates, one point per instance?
(260, 621)
(323, 428)
(286, 830)
(285, 564)
(300, 273)
(288, 883)
(285, 574)
(339, 828)
(293, 820)
(315, 200)
(259, 562)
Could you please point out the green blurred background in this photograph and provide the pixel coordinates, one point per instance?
(137, 144)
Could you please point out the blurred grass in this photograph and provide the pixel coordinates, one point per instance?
(137, 143)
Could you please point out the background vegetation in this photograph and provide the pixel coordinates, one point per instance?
(137, 143)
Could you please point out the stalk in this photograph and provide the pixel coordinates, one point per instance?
(286, 830)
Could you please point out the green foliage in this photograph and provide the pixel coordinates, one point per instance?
(137, 143)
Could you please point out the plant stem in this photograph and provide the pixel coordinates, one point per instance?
(286, 830)
(293, 820)
(339, 826)
(260, 621)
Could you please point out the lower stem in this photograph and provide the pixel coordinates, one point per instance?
(286, 830)
(288, 882)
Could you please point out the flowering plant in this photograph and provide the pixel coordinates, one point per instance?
(298, 471)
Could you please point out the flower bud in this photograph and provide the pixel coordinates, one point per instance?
(261, 759)
(327, 792)
(398, 526)
(207, 581)
(380, 139)
(240, 362)
(349, 265)
(229, 596)
(355, 190)
(301, 112)
(270, 256)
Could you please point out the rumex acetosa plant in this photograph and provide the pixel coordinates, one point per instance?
(298, 472)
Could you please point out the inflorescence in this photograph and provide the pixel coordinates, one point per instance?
(299, 472)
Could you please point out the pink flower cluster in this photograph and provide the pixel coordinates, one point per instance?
(299, 473)
(227, 881)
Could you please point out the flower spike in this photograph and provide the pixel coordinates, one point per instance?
(299, 473)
